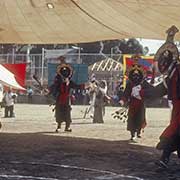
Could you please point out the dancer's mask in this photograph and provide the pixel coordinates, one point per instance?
(136, 74)
(65, 70)
(168, 52)
(164, 61)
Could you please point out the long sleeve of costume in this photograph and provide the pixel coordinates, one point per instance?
(54, 88)
(127, 92)
(153, 92)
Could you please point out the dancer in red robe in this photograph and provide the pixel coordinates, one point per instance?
(60, 90)
(169, 64)
(134, 97)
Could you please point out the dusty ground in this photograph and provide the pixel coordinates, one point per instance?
(30, 149)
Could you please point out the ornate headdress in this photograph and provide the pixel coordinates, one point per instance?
(136, 73)
(168, 52)
(135, 58)
(64, 70)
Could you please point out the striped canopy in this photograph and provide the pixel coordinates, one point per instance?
(77, 21)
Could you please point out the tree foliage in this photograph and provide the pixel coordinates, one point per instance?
(129, 46)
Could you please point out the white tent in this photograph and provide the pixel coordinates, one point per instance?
(75, 21)
(7, 78)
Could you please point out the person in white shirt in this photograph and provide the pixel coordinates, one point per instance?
(9, 98)
(29, 94)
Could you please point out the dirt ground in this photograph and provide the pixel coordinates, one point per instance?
(30, 148)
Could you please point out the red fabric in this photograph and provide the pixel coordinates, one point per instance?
(64, 94)
(134, 106)
(174, 123)
(135, 103)
(175, 118)
(19, 71)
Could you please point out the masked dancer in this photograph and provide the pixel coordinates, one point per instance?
(133, 97)
(60, 89)
(169, 65)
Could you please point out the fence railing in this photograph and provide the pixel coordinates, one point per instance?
(37, 63)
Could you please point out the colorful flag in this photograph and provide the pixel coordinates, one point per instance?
(147, 62)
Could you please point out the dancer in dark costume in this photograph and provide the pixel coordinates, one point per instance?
(61, 92)
(169, 64)
(134, 97)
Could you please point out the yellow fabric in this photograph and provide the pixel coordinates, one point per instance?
(75, 21)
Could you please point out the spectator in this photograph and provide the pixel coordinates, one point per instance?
(29, 94)
(9, 98)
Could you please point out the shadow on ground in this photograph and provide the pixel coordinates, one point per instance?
(53, 157)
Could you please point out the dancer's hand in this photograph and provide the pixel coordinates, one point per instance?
(121, 102)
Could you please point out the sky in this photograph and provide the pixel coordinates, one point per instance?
(153, 45)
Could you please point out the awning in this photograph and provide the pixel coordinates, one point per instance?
(77, 21)
(106, 65)
(7, 78)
